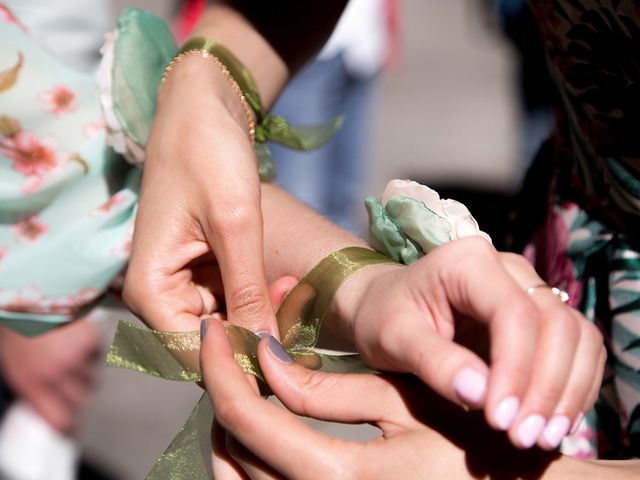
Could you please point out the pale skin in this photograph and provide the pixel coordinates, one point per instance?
(52, 372)
(205, 221)
(422, 436)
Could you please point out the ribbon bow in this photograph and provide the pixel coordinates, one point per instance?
(144, 47)
(175, 355)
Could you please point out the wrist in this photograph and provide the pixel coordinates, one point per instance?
(197, 79)
(351, 296)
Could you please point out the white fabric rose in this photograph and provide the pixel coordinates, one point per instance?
(411, 220)
(116, 136)
(455, 213)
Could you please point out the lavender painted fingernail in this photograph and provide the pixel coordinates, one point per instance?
(530, 429)
(263, 334)
(556, 430)
(278, 351)
(203, 328)
(506, 412)
(470, 386)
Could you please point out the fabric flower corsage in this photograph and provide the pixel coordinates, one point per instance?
(116, 136)
(411, 220)
(142, 51)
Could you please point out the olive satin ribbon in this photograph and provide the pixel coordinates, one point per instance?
(175, 355)
(144, 47)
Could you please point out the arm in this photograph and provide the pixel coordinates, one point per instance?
(422, 436)
(526, 359)
(52, 372)
(199, 221)
(199, 210)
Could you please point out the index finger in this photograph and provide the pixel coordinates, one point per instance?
(513, 321)
(235, 233)
(280, 439)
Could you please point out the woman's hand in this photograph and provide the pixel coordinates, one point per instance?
(460, 319)
(199, 217)
(53, 372)
(422, 436)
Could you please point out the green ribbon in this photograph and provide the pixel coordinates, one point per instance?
(144, 47)
(175, 355)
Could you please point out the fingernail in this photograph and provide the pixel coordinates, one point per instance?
(470, 386)
(203, 328)
(263, 334)
(278, 351)
(529, 430)
(576, 423)
(556, 430)
(506, 412)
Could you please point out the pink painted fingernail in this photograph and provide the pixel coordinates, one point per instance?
(556, 430)
(529, 430)
(506, 412)
(576, 423)
(470, 386)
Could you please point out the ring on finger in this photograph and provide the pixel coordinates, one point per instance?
(558, 292)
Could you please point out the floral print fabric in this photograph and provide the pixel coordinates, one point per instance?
(589, 244)
(67, 203)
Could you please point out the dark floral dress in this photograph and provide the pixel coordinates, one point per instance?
(589, 172)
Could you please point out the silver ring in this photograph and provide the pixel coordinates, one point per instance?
(558, 292)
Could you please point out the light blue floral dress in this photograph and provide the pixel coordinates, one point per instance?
(67, 203)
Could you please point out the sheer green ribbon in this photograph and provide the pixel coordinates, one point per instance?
(174, 355)
(145, 46)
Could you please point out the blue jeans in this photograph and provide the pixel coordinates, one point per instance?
(331, 178)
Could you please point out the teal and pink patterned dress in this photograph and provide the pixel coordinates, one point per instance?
(588, 174)
(67, 203)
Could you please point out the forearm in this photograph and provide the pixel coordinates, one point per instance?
(296, 238)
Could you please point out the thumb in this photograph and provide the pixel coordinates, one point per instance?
(450, 369)
(345, 398)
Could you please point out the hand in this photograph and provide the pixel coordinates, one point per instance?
(54, 371)
(422, 435)
(199, 223)
(543, 361)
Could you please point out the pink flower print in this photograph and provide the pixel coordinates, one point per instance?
(93, 128)
(30, 155)
(26, 299)
(70, 304)
(107, 206)
(32, 185)
(6, 16)
(3, 252)
(30, 229)
(59, 101)
(122, 251)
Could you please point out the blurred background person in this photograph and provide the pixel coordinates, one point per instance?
(342, 80)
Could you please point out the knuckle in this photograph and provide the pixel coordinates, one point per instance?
(231, 413)
(549, 394)
(312, 385)
(233, 218)
(522, 310)
(566, 325)
(475, 245)
(248, 301)
(592, 334)
(133, 289)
